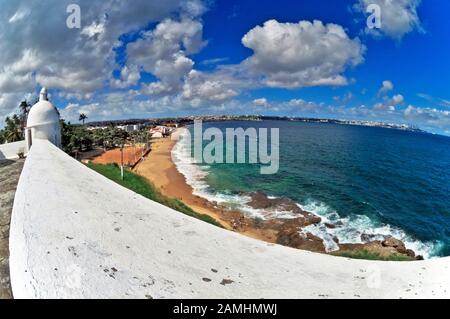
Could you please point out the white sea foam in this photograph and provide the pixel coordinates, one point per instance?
(354, 226)
(350, 232)
(195, 176)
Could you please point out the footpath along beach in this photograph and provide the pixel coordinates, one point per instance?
(159, 168)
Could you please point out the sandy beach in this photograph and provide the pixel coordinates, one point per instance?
(159, 168)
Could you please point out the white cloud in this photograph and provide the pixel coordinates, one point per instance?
(435, 100)
(213, 61)
(430, 116)
(261, 102)
(389, 104)
(386, 87)
(384, 107)
(300, 105)
(94, 30)
(43, 51)
(20, 14)
(208, 87)
(347, 97)
(291, 55)
(398, 17)
(129, 76)
(164, 53)
(397, 99)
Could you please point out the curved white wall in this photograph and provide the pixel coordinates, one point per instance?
(75, 234)
(10, 150)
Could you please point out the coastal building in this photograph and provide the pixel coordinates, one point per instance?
(43, 122)
(130, 128)
(160, 131)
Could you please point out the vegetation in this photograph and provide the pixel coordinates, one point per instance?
(15, 125)
(83, 117)
(77, 138)
(365, 254)
(145, 188)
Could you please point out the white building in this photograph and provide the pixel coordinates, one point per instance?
(43, 122)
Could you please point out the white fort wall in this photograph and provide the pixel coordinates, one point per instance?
(11, 150)
(75, 234)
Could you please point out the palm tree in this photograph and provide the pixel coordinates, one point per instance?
(82, 117)
(24, 110)
(13, 131)
(2, 136)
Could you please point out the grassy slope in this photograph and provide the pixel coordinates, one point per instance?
(364, 254)
(145, 188)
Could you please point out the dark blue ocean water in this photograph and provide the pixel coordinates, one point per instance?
(376, 180)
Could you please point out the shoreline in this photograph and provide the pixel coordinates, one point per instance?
(159, 168)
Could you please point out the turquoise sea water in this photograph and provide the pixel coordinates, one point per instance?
(375, 181)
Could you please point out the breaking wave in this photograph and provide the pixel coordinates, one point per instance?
(351, 229)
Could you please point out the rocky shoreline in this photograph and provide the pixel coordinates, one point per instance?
(288, 231)
(159, 168)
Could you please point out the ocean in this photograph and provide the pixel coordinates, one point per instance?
(373, 181)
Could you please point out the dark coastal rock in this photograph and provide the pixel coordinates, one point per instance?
(260, 200)
(395, 243)
(288, 231)
(310, 243)
(410, 253)
(367, 237)
(388, 248)
(288, 234)
(419, 257)
(330, 226)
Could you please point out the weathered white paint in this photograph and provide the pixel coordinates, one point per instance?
(75, 234)
(10, 150)
(43, 122)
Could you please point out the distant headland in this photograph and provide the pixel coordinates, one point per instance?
(219, 118)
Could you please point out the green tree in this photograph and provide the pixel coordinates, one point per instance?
(2, 136)
(13, 131)
(24, 107)
(83, 117)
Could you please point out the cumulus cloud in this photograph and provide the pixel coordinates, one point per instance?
(37, 48)
(261, 102)
(386, 86)
(347, 97)
(300, 105)
(129, 76)
(389, 104)
(291, 55)
(164, 53)
(398, 17)
(430, 116)
(397, 99)
(201, 86)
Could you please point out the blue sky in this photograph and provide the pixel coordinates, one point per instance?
(140, 59)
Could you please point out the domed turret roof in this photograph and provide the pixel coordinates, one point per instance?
(43, 112)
